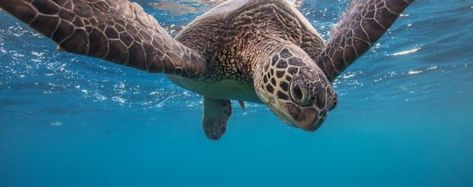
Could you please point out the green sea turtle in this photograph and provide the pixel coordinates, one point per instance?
(261, 51)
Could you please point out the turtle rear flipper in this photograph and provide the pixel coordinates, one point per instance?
(115, 30)
(358, 29)
(216, 114)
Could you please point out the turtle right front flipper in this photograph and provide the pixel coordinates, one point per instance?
(358, 29)
(115, 30)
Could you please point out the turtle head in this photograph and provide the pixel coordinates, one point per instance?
(295, 88)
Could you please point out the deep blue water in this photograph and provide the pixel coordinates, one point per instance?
(405, 116)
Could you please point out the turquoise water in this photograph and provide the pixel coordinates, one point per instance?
(405, 116)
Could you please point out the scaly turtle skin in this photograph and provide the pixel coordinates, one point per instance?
(261, 51)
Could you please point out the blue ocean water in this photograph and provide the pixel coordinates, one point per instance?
(405, 116)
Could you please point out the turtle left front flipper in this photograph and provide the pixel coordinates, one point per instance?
(119, 31)
(216, 115)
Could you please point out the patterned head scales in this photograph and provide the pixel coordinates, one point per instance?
(295, 89)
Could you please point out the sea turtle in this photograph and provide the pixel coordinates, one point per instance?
(262, 51)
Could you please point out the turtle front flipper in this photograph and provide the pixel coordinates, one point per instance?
(358, 29)
(216, 114)
(115, 30)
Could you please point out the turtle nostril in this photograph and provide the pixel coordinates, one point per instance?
(334, 104)
(323, 114)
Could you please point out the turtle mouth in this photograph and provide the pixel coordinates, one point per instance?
(307, 118)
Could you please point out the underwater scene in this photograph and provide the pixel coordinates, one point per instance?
(404, 115)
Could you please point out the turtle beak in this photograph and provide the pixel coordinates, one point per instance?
(309, 120)
(306, 118)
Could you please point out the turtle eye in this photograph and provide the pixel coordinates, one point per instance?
(299, 94)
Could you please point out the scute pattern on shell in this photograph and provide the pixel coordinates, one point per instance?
(236, 40)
